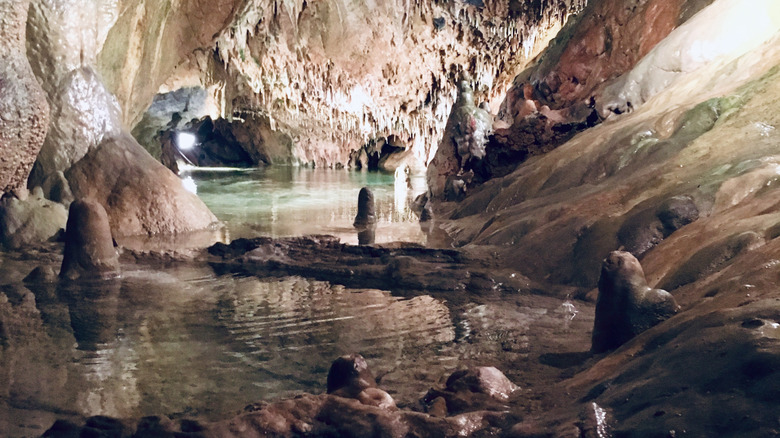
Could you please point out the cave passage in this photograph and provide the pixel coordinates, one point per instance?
(282, 201)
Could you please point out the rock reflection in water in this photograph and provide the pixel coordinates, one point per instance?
(283, 201)
(184, 342)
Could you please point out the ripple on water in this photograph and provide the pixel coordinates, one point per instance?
(184, 341)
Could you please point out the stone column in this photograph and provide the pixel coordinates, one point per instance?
(24, 112)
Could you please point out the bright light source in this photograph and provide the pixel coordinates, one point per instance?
(189, 184)
(185, 140)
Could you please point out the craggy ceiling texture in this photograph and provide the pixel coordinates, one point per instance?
(332, 74)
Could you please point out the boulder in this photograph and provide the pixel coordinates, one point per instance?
(139, 194)
(30, 221)
(89, 246)
(84, 114)
(626, 305)
(477, 388)
(350, 377)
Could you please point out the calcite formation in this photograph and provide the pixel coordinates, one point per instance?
(24, 112)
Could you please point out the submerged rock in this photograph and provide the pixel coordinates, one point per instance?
(89, 248)
(626, 305)
(350, 377)
(477, 388)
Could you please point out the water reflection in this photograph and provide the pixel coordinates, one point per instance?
(187, 342)
(291, 201)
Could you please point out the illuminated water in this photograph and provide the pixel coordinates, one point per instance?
(181, 341)
(185, 342)
(293, 201)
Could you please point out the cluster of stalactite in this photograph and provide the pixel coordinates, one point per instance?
(270, 60)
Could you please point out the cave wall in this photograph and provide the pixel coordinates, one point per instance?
(87, 139)
(24, 112)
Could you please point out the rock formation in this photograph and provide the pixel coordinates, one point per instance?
(366, 215)
(220, 143)
(566, 90)
(89, 246)
(29, 220)
(648, 125)
(463, 143)
(139, 194)
(477, 388)
(626, 305)
(350, 377)
(24, 112)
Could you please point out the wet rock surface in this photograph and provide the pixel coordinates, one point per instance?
(626, 305)
(89, 246)
(366, 214)
(403, 267)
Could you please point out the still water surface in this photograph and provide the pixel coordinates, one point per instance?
(293, 201)
(180, 341)
(186, 342)
(183, 341)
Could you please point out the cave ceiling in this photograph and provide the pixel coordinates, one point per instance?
(333, 74)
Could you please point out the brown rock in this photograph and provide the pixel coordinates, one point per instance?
(350, 377)
(89, 247)
(626, 305)
(366, 214)
(140, 195)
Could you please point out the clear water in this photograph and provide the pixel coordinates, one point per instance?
(185, 342)
(182, 341)
(294, 201)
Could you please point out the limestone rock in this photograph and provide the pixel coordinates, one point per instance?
(89, 246)
(350, 377)
(483, 380)
(564, 92)
(477, 388)
(464, 140)
(57, 188)
(366, 214)
(169, 110)
(83, 114)
(626, 305)
(31, 221)
(139, 194)
(24, 112)
(643, 230)
(240, 143)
